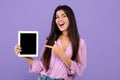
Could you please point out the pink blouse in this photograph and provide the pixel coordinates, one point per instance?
(58, 68)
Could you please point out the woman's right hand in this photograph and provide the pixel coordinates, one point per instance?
(17, 49)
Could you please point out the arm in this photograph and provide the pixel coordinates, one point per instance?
(65, 59)
(35, 65)
(17, 50)
(59, 52)
(29, 60)
(77, 68)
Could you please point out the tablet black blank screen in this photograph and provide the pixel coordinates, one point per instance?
(28, 43)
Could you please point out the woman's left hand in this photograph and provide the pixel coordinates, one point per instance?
(55, 49)
(60, 52)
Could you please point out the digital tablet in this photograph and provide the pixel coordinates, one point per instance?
(28, 41)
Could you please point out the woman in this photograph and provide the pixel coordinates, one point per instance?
(64, 54)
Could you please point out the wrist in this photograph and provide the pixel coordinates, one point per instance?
(61, 54)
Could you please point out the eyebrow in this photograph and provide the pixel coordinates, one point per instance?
(62, 14)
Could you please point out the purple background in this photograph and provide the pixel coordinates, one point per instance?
(98, 23)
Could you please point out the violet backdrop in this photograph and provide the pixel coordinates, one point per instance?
(98, 23)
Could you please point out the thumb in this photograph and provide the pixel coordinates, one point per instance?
(55, 42)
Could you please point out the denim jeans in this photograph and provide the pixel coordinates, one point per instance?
(43, 77)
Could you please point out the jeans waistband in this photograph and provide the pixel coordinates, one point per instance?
(44, 77)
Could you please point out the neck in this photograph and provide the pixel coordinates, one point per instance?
(65, 34)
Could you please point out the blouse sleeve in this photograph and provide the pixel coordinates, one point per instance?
(36, 67)
(77, 68)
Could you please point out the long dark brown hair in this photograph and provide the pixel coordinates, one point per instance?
(55, 33)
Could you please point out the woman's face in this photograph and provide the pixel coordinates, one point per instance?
(62, 20)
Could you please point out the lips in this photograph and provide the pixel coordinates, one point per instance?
(61, 24)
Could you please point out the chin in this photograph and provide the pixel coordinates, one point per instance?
(61, 30)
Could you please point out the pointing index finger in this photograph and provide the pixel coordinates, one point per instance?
(48, 46)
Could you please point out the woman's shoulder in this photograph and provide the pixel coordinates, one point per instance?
(82, 42)
(81, 39)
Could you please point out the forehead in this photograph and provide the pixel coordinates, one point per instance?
(60, 12)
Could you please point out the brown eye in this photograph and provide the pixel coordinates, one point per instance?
(64, 15)
(57, 17)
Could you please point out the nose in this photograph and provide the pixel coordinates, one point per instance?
(60, 18)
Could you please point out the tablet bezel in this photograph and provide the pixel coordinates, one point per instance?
(30, 55)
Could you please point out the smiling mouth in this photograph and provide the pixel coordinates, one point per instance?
(61, 24)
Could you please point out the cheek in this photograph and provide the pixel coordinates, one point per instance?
(56, 21)
(67, 22)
